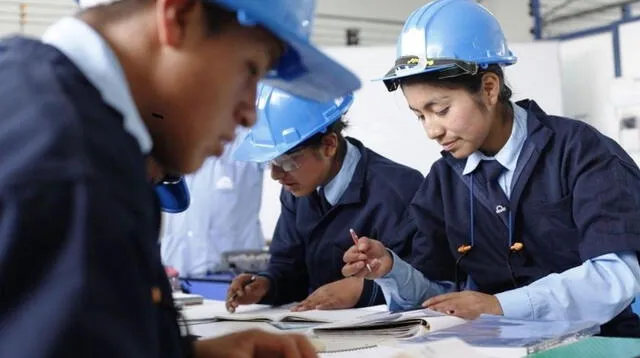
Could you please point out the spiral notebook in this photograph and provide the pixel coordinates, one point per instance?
(400, 325)
(445, 348)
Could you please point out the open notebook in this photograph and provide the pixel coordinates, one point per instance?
(216, 311)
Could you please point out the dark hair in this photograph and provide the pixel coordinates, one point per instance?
(470, 83)
(216, 18)
(316, 140)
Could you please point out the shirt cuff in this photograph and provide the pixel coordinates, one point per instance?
(398, 269)
(390, 285)
(516, 303)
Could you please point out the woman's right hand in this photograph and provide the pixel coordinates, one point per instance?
(371, 252)
(241, 293)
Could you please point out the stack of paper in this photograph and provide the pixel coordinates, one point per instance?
(184, 299)
(390, 325)
(380, 328)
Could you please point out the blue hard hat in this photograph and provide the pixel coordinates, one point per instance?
(173, 195)
(454, 37)
(303, 70)
(285, 121)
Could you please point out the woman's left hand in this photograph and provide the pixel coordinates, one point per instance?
(466, 304)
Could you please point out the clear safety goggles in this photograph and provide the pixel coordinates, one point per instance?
(287, 162)
(413, 65)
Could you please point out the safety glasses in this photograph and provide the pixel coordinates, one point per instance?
(414, 65)
(287, 162)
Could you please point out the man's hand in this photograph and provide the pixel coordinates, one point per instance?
(241, 292)
(370, 252)
(255, 344)
(466, 304)
(340, 294)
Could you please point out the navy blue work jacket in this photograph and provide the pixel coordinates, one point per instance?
(308, 247)
(80, 270)
(576, 196)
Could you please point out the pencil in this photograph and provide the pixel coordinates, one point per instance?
(354, 236)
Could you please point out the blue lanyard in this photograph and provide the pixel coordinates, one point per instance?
(463, 250)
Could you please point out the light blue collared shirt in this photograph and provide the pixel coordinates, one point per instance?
(92, 55)
(508, 155)
(334, 190)
(598, 290)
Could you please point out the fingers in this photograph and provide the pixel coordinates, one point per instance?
(439, 299)
(361, 252)
(365, 244)
(353, 255)
(236, 286)
(312, 301)
(375, 264)
(455, 309)
(454, 304)
(280, 345)
(329, 305)
(295, 346)
(255, 344)
(237, 290)
(305, 347)
(305, 305)
(356, 269)
(445, 308)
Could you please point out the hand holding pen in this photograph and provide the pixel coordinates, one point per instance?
(246, 289)
(354, 236)
(367, 258)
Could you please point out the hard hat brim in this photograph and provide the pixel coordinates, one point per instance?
(307, 72)
(174, 198)
(248, 151)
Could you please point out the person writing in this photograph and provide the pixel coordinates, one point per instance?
(536, 215)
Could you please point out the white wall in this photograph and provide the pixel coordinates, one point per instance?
(514, 17)
(385, 9)
(512, 14)
(630, 54)
(630, 65)
(383, 122)
(588, 77)
(587, 72)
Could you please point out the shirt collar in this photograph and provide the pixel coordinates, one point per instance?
(334, 190)
(508, 154)
(95, 59)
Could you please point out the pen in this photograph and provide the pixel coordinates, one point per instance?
(355, 242)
